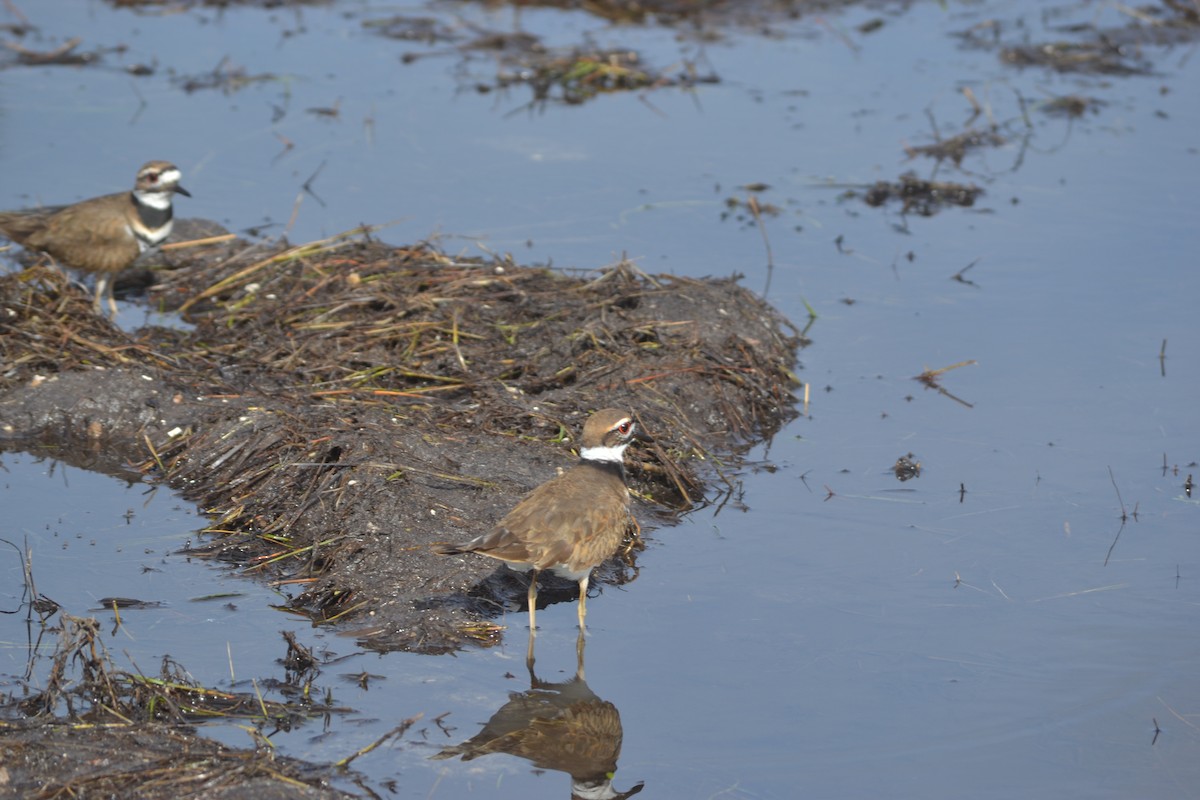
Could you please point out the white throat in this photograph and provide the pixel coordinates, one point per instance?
(612, 455)
(158, 200)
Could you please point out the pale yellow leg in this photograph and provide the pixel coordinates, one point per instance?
(532, 600)
(104, 289)
(97, 301)
(583, 584)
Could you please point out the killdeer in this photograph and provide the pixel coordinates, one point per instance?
(105, 234)
(570, 523)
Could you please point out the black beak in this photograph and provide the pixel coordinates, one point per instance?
(183, 191)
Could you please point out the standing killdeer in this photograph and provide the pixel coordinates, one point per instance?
(570, 523)
(105, 234)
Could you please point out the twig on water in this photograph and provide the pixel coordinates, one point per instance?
(752, 204)
(396, 731)
(1113, 477)
(1124, 516)
(930, 378)
(961, 275)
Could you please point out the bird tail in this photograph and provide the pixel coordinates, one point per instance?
(20, 225)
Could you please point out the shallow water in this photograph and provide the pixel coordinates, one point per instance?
(844, 634)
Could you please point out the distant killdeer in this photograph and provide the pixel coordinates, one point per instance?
(573, 522)
(106, 234)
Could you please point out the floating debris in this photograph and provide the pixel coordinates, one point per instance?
(921, 196)
(956, 147)
(906, 468)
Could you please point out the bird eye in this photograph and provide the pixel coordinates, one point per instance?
(625, 427)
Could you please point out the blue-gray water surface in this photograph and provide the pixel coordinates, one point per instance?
(839, 633)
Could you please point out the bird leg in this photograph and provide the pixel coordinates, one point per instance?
(104, 291)
(532, 600)
(583, 584)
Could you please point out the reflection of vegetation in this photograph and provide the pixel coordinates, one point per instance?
(225, 76)
(1070, 106)
(426, 30)
(104, 693)
(100, 730)
(1095, 57)
(923, 197)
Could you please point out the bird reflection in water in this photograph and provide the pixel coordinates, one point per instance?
(557, 726)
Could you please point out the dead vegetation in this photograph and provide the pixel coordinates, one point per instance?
(341, 406)
(65, 55)
(570, 75)
(95, 729)
(1091, 49)
(955, 148)
(1086, 48)
(226, 77)
(153, 762)
(576, 75)
(85, 686)
(931, 379)
(920, 196)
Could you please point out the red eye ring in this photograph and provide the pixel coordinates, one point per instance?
(625, 427)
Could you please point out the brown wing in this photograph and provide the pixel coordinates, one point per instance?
(576, 519)
(90, 235)
(516, 537)
(537, 530)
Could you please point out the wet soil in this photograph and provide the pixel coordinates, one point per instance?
(50, 759)
(340, 407)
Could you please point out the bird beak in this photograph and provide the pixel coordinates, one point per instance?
(183, 191)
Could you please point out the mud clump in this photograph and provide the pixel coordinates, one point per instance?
(339, 407)
(93, 729)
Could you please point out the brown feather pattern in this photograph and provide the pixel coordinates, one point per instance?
(570, 523)
(104, 234)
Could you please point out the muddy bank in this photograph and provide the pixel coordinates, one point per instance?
(339, 407)
(63, 760)
(336, 409)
